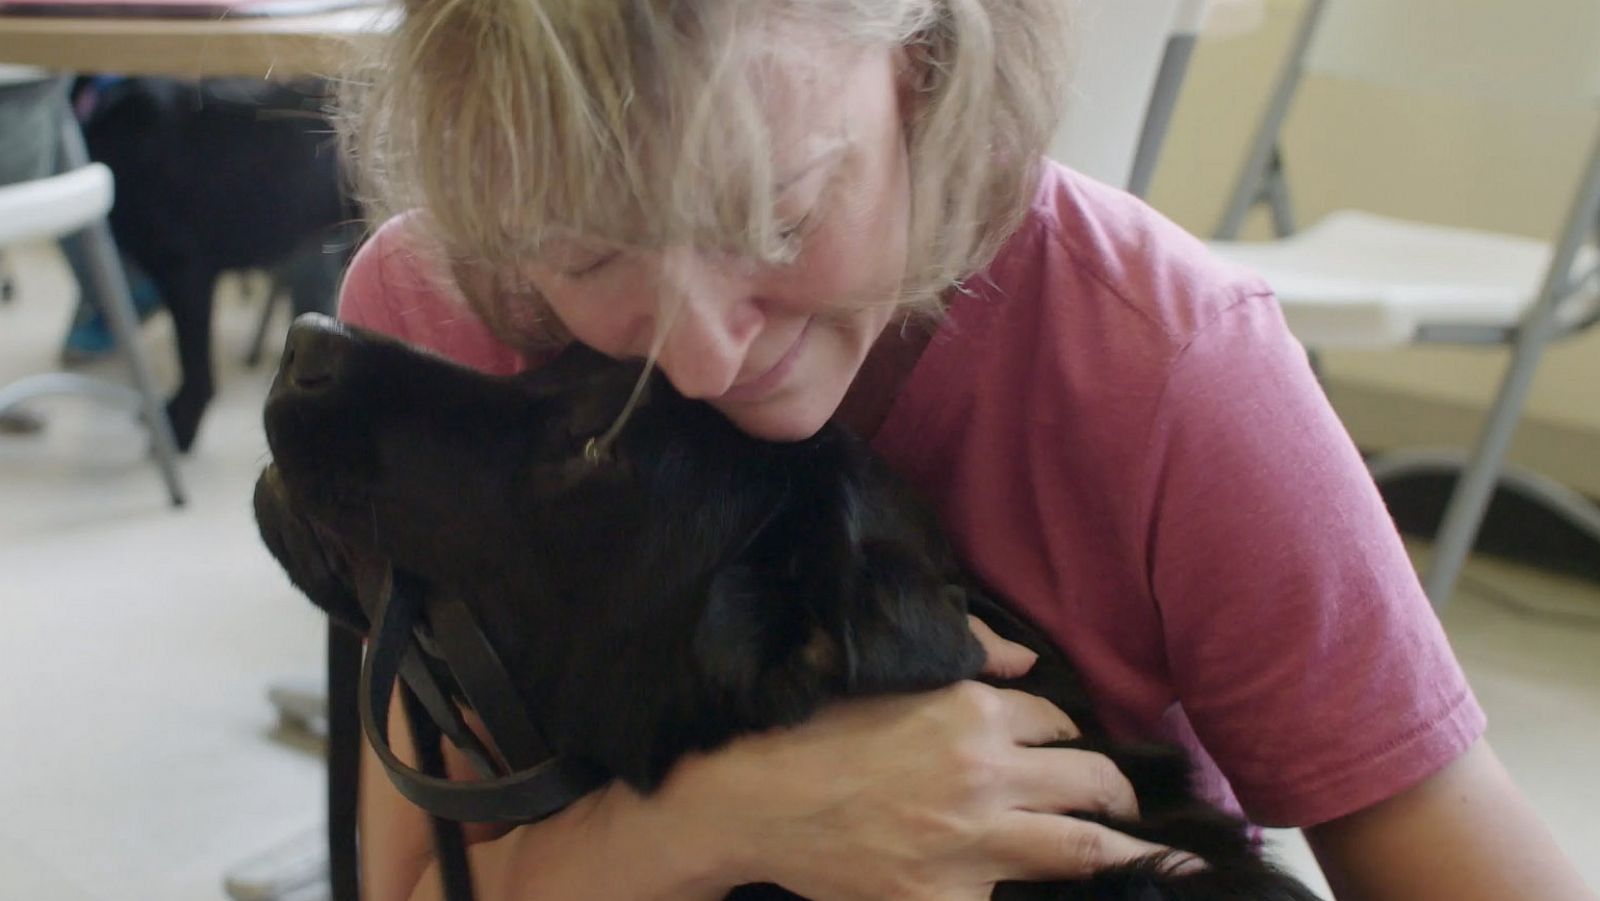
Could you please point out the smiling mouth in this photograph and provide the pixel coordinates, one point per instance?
(763, 384)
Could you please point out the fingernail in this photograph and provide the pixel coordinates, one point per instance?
(1185, 864)
(1021, 660)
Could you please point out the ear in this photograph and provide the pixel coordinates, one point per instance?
(323, 574)
(770, 659)
(907, 629)
(763, 658)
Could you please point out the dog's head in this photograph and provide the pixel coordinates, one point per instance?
(686, 583)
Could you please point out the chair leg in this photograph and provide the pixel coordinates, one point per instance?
(112, 287)
(1163, 101)
(120, 315)
(8, 280)
(1463, 515)
(1565, 503)
(1538, 328)
(1250, 187)
(1276, 194)
(252, 357)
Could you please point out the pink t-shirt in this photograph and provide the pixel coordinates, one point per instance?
(1122, 437)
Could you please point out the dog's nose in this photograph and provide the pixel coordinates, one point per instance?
(313, 353)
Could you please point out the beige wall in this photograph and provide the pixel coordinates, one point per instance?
(1423, 157)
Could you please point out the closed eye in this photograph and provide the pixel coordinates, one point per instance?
(590, 267)
(797, 229)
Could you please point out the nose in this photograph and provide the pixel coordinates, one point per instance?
(313, 354)
(711, 318)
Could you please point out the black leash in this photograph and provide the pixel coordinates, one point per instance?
(520, 796)
(344, 761)
(528, 786)
(449, 845)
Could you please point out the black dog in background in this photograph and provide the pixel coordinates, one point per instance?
(684, 584)
(217, 175)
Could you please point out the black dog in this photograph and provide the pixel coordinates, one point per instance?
(686, 585)
(212, 176)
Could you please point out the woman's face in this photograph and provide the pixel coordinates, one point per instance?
(773, 347)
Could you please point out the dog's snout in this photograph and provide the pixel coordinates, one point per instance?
(313, 354)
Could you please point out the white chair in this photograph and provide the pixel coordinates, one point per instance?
(57, 206)
(1131, 58)
(1189, 19)
(1356, 279)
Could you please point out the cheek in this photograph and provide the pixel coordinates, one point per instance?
(859, 255)
(600, 315)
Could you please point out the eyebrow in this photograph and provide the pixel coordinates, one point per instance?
(832, 154)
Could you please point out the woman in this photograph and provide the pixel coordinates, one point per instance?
(837, 208)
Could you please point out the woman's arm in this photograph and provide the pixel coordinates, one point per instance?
(573, 854)
(1464, 833)
(912, 796)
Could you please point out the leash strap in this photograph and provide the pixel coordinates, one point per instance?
(344, 761)
(526, 795)
(487, 686)
(449, 845)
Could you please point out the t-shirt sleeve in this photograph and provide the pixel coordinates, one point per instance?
(1301, 645)
(397, 285)
(363, 295)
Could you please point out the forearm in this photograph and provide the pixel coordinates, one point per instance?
(609, 845)
(1464, 834)
(612, 843)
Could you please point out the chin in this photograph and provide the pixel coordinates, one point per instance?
(781, 421)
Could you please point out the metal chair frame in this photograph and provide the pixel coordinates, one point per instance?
(112, 286)
(1262, 181)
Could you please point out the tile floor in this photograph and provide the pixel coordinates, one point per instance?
(136, 756)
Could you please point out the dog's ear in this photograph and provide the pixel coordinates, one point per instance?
(760, 656)
(904, 628)
(592, 387)
(321, 573)
(772, 659)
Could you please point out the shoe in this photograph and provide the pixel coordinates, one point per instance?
(90, 337)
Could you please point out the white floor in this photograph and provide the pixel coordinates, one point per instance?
(136, 751)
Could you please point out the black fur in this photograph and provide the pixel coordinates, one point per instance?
(694, 585)
(219, 175)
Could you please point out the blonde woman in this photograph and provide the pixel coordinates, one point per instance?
(804, 209)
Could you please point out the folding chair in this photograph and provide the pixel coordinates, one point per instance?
(78, 200)
(1358, 279)
(1187, 21)
(1132, 56)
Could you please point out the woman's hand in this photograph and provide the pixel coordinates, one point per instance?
(1004, 659)
(935, 795)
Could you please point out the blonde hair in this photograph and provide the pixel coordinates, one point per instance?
(514, 122)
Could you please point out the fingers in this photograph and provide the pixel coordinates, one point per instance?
(1005, 659)
(1030, 719)
(1058, 780)
(1067, 780)
(1038, 846)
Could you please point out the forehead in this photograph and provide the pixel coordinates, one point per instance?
(635, 136)
(707, 159)
(811, 93)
